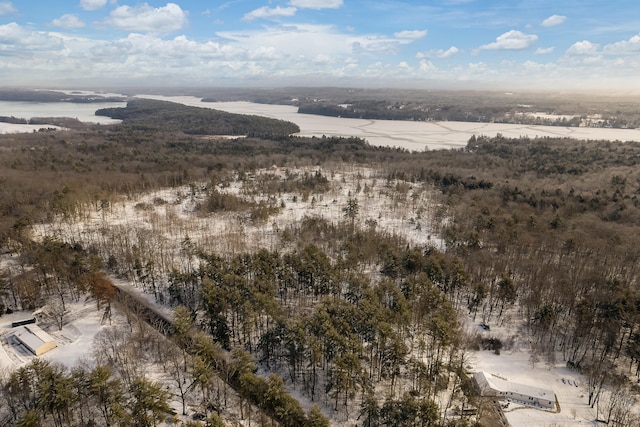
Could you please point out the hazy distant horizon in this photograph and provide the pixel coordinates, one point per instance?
(206, 91)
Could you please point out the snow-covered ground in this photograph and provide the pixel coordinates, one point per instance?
(16, 128)
(408, 214)
(568, 385)
(75, 346)
(74, 341)
(516, 364)
(379, 201)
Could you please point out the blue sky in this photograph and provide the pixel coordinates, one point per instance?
(453, 44)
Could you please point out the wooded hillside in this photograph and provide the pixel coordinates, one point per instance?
(357, 319)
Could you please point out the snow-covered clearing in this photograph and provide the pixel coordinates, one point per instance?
(516, 363)
(16, 128)
(166, 218)
(74, 340)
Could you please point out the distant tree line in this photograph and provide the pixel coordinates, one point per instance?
(26, 95)
(14, 120)
(428, 110)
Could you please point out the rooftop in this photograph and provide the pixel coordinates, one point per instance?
(486, 380)
(34, 338)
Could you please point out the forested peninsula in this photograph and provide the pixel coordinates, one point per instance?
(196, 121)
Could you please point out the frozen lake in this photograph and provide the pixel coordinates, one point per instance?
(85, 112)
(415, 136)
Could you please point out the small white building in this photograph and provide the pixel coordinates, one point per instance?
(492, 386)
(35, 339)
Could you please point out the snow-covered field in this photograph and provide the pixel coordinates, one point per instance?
(16, 128)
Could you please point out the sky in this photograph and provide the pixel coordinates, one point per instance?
(578, 45)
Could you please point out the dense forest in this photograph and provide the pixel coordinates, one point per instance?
(196, 121)
(446, 111)
(360, 321)
(25, 95)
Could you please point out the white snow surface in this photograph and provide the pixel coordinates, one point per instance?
(176, 219)
(411, 135)
(74, 340)
(17, 128)
(514, 364)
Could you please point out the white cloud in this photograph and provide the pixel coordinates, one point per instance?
(269, 12)
(181, 47)
(7, 7)
(411, 34)
(624, 47)
(554, 20)
(511, 40)
(111, 52)
(322, 59)
(584, 47)
(316, 4)
(438, 53)
(544, 50)
(404, 65)
(309, 40)
(540, 70)
(427, 66)
(264, 53)
(302, 40)
(291, 53)
(356, 47)
(148, 19)
(18, 41)
(584, 55)
(92, 4)
(68, 21)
